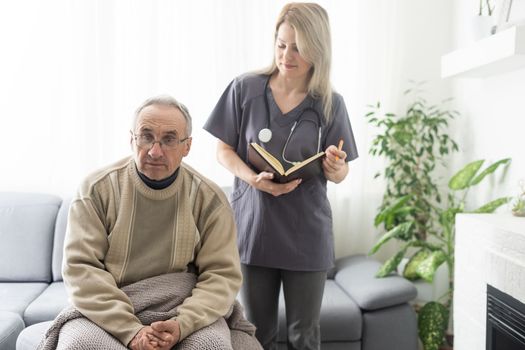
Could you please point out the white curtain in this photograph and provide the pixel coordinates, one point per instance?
(72, 72)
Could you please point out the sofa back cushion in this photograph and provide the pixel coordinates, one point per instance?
(27, 224)
(58, 242)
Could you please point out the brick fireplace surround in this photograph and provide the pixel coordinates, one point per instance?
(490, 249)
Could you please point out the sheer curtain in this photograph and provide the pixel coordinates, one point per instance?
(73, 71)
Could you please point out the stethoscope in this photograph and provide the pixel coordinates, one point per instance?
(265, 134)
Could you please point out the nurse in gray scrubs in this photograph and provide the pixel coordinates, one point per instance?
(285, 230)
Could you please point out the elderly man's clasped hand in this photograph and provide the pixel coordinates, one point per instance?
(162, 335)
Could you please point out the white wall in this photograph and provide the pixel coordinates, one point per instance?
(73, 71)
(492, 125)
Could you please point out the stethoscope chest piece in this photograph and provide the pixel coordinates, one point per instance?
(265, 135)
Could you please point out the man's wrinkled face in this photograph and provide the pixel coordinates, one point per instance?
(159, 141)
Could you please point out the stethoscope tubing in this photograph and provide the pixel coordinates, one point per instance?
(265, 134)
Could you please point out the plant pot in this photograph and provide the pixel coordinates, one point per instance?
(449, 337)
(518, 213)
(482, 27)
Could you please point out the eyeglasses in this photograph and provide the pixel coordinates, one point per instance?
(147, 140)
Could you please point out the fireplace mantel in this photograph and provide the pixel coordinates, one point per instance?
(490, 249)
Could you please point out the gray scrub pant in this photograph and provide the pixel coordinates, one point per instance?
(303, 293)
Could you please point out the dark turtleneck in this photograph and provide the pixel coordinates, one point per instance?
(158, 184)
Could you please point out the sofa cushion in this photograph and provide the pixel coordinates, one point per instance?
(341, 346)
(15, 297)
(356, 276)
(10, 326)
(58, 241)
(31, 336)
(390, 328)
(340, 316)
(27, 224)
(47, 305)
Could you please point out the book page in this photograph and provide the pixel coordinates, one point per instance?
(269, 158)
(303, 163)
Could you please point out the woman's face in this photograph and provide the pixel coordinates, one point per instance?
(287, 58)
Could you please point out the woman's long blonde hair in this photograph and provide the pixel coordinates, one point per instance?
(312, 31)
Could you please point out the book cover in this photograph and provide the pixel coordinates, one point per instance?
(265, 161)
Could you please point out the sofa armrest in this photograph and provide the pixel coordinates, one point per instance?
(356, 276)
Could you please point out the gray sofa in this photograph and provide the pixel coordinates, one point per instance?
(358, 310)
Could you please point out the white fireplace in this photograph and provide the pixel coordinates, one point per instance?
(490, 249)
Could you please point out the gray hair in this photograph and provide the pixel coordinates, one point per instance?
(165, 100)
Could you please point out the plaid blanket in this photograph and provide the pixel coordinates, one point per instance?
(154, 299)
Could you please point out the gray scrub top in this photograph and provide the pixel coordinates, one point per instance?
(292, 231)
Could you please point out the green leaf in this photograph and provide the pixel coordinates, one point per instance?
(410, 271)
(432, 323)
(427, 268)
(397, 231)
(519, 206)
(391, 209)
(402, 137)
(491, 206)
(489, 170)
(462, 178)
(391, 264)
(447, 218)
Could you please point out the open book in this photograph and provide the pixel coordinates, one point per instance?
(264, 161)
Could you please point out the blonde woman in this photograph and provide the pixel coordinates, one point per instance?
(285, 229)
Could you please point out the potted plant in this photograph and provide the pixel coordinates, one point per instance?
(486, 7)
(485, 23)
(412, 211)
(414, 145)
(433, 317)
(518, 208)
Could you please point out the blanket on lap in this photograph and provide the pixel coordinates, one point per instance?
(154, 299)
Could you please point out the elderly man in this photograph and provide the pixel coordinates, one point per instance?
(149, 215)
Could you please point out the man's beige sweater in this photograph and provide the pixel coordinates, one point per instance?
(120, 231)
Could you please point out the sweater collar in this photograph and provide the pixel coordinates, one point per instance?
(156, 194)
(158, 184)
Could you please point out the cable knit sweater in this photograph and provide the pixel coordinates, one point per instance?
(120, 231)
